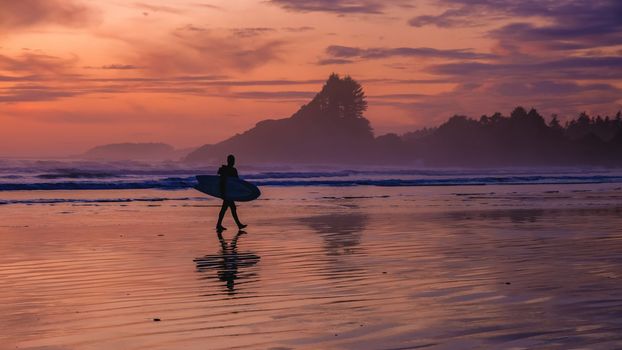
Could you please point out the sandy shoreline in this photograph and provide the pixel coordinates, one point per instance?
(356, 268)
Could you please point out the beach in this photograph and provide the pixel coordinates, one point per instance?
(366, 267)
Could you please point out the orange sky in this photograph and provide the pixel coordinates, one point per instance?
(78, 73)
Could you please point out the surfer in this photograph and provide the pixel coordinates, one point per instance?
(226, 171)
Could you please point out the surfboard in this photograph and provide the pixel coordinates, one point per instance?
(237, 189)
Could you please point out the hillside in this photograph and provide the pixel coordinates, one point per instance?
(331, 129)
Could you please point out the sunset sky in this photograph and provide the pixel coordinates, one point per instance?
(79, 73)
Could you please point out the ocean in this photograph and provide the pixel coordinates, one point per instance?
(125, 256)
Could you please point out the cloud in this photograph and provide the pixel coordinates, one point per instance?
(33, 93)
(564, 36)
(346, 52)
(17, 14)
(572, 68)
(330, 61)
(206, 51)
(449, 18)
(273, 95)
(341, 7)
(158, 8)
(36, 63)
(467, 12)
(12, 79)
(193, 50)
(250, 32)
(404, 96)
(116, 67)
(568, 25)
(298, 29)
(208, 80)
(263, 82)
(549, 55)
(209, 6)
(50, 87)
(405, 81)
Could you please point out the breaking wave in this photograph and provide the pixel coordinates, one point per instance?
(336, 179)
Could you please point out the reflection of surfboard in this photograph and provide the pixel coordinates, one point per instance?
(237, 189)
(226, 261)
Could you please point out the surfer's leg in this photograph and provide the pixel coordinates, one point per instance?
(221, 215)
(234, 212)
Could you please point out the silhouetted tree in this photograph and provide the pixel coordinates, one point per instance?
(341, 97)
(524, 138)
(554, 123)
(518, 113)
(604, 128)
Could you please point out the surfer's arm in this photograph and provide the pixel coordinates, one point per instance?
(223, 185)
(223, 181)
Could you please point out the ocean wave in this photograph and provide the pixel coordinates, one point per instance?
(163, 184)
(71, 174)
(301, 174)
(96, 200)
(509, 180)
(177, 183)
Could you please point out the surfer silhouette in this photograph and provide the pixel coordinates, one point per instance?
(225, 172)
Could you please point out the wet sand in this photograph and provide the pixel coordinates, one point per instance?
(483, 267)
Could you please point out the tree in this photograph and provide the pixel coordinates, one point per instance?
(519, 113)
(535, 117)
(496, 118)
(554, 123)
(484, 120)
(584, 120)
(341, 98)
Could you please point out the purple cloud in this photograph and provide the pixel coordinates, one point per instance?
(347, 52)
(251, 31)
(449, 18)
(272, 95)
(298, 29)
(572, 68)
(120, 67)
(33, 93)
(331, 61)
(341, 7)
(26, 13)
(158, 8)
(570, 24)
(36, 63)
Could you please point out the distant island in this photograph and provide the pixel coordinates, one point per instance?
(331, 129)
(135, 151)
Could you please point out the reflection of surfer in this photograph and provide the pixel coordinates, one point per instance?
(225, 172)
(229, 269)
(228, 262)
